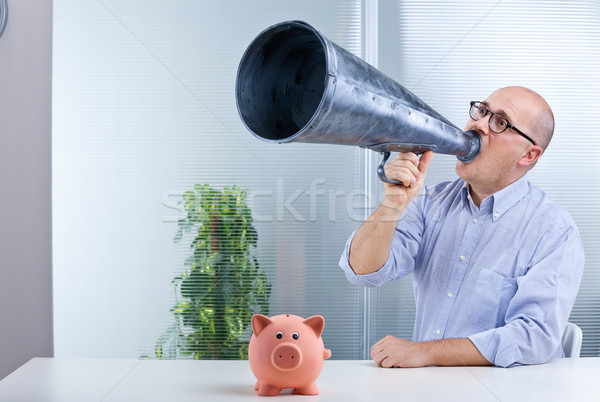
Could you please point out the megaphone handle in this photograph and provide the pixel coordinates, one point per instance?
(381, 170)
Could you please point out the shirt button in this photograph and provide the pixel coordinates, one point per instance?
(462, 257)
(450, 294)
(496, 215)
(438, 332)
(475, 220)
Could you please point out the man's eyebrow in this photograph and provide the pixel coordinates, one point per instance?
(499, 111)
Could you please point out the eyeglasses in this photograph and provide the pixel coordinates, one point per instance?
(497, 123)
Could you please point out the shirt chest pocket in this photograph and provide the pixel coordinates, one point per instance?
(489, 301)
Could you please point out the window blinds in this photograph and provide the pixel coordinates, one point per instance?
(144, 111)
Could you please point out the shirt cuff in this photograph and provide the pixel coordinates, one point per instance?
(497, 346)
(374, 279)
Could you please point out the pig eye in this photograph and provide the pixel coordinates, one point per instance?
(279, 335)
(295, 335)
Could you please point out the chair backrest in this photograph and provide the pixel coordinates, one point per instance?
(571, 340)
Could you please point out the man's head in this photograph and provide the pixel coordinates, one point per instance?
(507, 156)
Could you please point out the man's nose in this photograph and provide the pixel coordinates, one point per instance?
(482, 125)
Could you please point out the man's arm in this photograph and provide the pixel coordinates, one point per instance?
(372, 242)
(398, 352)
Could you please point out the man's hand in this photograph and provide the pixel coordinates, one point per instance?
(410, 170)
(398, 352)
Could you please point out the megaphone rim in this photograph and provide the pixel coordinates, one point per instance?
(326, 85)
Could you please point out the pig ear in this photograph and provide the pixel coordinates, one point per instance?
(317, 323)
(259, 322)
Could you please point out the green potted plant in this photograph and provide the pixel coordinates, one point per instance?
(222, 285)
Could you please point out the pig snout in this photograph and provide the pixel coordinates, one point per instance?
(286, 356)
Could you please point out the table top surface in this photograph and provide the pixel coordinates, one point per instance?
(61, 379)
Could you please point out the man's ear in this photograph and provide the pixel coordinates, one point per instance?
(531, 156)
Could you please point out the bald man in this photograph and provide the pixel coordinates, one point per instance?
(496, 264)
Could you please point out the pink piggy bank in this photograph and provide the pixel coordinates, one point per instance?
(286, 351)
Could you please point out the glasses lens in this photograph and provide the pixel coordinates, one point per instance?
(477, 111)
(498, 123)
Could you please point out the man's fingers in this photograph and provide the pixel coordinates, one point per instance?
(424, 161)
(402, 175)
(383, 359)
(403, 170)
(377, 358)
(387, 363)
(408, 168)
(376, 348)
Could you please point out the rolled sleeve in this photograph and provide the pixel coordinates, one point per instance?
(374, 279)
(497, 346)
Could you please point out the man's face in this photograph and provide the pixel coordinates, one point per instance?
(496, 164)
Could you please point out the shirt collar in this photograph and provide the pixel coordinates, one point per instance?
(464, 191)
(504, 199)
(509, 196)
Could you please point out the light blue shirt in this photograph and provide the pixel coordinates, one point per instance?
(505, 275)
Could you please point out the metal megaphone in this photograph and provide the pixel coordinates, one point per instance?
(293, 84)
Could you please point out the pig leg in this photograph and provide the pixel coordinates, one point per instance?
(310, 389)
(257, 385)
(267, 389)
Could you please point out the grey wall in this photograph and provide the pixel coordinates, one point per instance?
(25, 208)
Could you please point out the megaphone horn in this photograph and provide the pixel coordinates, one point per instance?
(293, 84)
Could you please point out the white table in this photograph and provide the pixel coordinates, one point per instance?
(82, 380)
